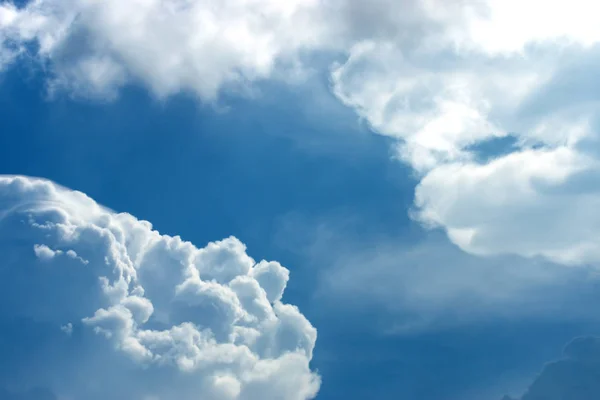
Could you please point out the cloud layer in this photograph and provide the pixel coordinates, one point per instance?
(448, 80)
(432, 285)
(129, 304)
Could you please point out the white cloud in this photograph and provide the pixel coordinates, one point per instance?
(520, 203)
(44, 252)
(67, 329)
(199, 46)
(509, 25)
(210, 319)
(500, 70)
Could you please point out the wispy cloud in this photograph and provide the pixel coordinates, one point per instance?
(423, 282)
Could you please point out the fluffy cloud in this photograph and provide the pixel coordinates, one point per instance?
(127, 304)
(527, 202)
(574, 377)
(451, 94)
(93, 48)
(199, 46)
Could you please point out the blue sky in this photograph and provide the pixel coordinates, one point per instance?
(434, 205)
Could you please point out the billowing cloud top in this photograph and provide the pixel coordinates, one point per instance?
(210, 319)
(494, 103)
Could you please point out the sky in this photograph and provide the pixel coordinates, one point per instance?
(330, 199)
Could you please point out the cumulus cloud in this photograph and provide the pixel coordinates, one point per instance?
(44, 252)
(170, 319)
(485, 72)
(95, 47)
(68, 328)
(574, 377)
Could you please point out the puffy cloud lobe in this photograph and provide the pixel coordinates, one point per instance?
(203, 315)
(44, 252)
(573, 377)
(520, 203)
